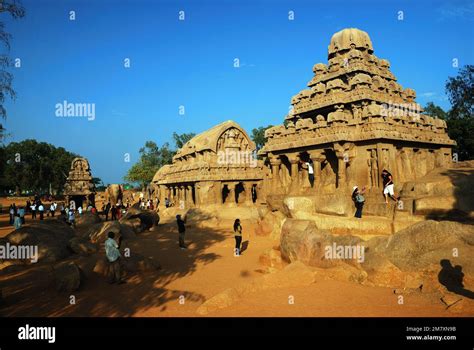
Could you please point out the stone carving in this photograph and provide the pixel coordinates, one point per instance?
(79, 186)
(356, 100)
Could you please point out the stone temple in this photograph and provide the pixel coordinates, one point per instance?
(79, 186)
(353, 121)
(218, 166)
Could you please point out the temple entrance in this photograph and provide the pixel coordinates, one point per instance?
(239, 193)
(225, 193)
(254, 193)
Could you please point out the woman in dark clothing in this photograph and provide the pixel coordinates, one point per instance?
(238, 236)
(358, 198)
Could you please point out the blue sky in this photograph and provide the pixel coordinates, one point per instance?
(190, 63)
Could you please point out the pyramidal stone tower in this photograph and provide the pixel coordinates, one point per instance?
(353, 121)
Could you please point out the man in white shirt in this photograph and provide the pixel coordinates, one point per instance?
(41, 210)
(309, 166)
(113, 256)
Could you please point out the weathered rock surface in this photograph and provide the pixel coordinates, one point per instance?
(82, 246)
(50, 236)
(67, 277)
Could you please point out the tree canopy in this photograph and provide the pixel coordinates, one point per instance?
(459, 118)
(153, 158)
(34, 166)
(15, 9)
(258, 136)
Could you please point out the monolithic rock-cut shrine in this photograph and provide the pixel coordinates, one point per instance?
(79, 186)
(354, 121)
(218, 166)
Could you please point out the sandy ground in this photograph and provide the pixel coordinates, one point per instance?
(189, 277)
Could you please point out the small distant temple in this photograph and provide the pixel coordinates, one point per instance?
(218, 166)
(79, 187)
(353, 121)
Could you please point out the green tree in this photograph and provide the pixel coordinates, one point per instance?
(181, 139)
(460, 121)
(35, 166)
(435, 111)
(258, 136)
(15, 9)
(151, 159)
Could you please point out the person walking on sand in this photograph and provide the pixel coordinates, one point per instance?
(21, 213)
(181, 231)
(358, 198)
(113, 255)
(238, 237)
(106, 211)
(12, 214)
(114, 213)
(388, 186)
(33, 210)
(41, 210)
(71, 218)
(17, 222)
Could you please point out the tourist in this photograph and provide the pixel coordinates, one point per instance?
(181, 231)
(17, 221)
(12, 214)
(113, 256)
(114, 213)
(93, 210)
(28, 205)
(21, 213)
(167, 203)
(238, 237)
(33, 210)
(41, 210)
(52, 208)
(309, 165)
(106, 211)
(71, 218)
(358, 198)
(388, 186)
(79, 210)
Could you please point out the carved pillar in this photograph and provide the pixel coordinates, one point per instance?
(230, 200)
(248, 192)
(275, 164)
(189, 195)
(294, 160)
(318, 158)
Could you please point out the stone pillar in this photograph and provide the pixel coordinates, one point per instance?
(248, 192)
(294, 160)
(230, 200)
(189, 195)
(318, 158)
(275, 164)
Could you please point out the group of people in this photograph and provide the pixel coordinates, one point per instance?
(388, 191)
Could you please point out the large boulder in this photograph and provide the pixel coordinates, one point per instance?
(86, 219)
(426, 243)
(67, 277)
(140, 220)
(82, 246)
(51, 237)
(98, 233)
(301, 240)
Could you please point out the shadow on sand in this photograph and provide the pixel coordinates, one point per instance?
(452, 278)
(28, 291)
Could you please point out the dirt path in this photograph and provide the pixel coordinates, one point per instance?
(189, 277)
